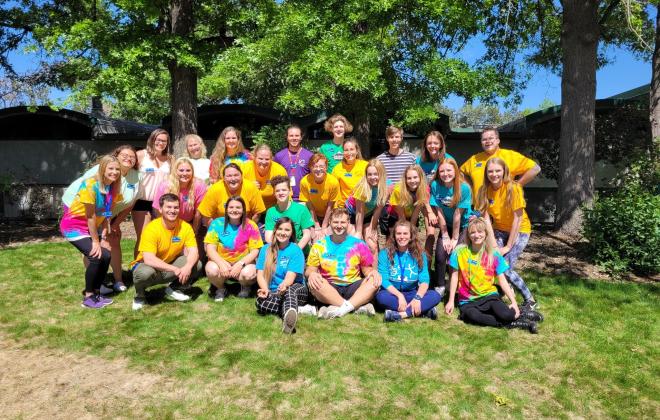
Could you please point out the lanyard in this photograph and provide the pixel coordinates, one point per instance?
(401, 270)
(293, 165)
(108, 202)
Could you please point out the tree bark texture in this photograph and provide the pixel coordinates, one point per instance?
(361, 124)
(654, 100)
(580, 34)
(183, 91)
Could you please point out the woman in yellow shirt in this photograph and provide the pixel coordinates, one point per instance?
(349, 171)
(500, 200)
(261, 170)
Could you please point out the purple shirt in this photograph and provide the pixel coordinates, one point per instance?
(295, 165)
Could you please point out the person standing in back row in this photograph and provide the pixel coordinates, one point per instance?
(294, 158)
(395, 159)
(338, 126)
(522, 168)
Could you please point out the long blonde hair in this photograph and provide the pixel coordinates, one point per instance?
(104, 161)
(507, 181)
(422, 193)
(181, 147)
(480, 224)
(270, 264)
(220, 150)
(363, 190)
(456, 184)
(174, 186)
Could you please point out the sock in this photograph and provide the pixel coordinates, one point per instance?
(345, 308)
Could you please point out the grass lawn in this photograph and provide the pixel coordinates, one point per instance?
(596, 354)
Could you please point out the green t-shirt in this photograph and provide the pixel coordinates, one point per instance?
(298, 213)
(334, 153)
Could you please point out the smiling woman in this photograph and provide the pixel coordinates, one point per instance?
(86, 224)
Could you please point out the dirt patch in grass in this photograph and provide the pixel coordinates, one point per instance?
(52, 384)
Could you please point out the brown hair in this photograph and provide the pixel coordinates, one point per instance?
(315, 158)
(151, 141)
(392, 130)
(357, 147)
(426, 156)
(422, 193)
(119, 149)
(220, 150)
(415, 249)
(274, 248)
(330, 122)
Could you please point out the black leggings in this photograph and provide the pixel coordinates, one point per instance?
(490, 310)
(97, 268)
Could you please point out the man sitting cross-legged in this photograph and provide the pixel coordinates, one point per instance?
(334, 269)
(167, 254)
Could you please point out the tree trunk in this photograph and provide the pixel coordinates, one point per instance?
(654, 100)
(183, 92)
(580, 33)
(361, 124)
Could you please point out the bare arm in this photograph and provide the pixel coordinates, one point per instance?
(529, 176)
(449, 307)
(359, 218)
(305, 238)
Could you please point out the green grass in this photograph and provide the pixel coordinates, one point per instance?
(596, 354)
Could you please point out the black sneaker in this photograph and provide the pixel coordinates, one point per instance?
(212, 290)
(531, 316)
(431, 314)
(528, 305)
(523, 324)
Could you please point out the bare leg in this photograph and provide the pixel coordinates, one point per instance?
(327, 294)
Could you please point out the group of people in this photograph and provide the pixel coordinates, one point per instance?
(305, 226)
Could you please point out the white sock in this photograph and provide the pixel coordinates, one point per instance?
(345, 308)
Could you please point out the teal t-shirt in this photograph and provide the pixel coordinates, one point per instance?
(298, 213)
(402, 271)
(441, 198)
(290, 259)
(334, 153)
(430, 168)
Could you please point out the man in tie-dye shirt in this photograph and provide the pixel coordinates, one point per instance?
(340, 271)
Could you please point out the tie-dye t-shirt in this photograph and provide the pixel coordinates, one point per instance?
(74, 223)
(235, 242)
(476, 276)
(340, 264)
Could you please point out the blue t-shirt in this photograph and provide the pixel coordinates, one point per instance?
(290, 258)
(402, 272)
(430, 168)
(441, 198)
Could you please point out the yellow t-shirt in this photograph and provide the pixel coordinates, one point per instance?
(164, 243)
(348, 177)
(501, 214)
(476, 165)
(213, 204)
(251, 174)
(395, 200)
(319, 194)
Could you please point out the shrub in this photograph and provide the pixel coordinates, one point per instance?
(623, 230)
(272, 135)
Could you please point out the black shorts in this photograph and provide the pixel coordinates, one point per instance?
(143, 205)
(365, 222)
(349, 290)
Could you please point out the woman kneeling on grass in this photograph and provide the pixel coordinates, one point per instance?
(403, 267)
(478, 267)
(279, 274)
(87, 222)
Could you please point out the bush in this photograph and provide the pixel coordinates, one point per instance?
(272, 135)
(623, 230)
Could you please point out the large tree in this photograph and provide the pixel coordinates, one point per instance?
(570, 37)
(375, 60)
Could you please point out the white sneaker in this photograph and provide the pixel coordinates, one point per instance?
(307, 310)
(220, 295)
(335, 312)
(289, 321)
(245, 292)
(176, 295)
(367, 309)
(106, 290)
(137, 304)
(325, 310)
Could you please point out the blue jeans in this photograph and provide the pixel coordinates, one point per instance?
(514, 278)
(388, 301)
